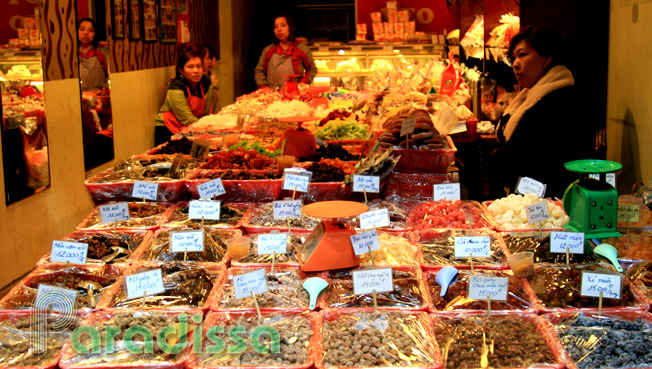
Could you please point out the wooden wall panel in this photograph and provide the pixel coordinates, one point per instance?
(59, 33)
(204, 23)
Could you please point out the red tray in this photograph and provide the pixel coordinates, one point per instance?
(425, 161)
(170, 191)
(414, 185)
(237, 191)
(321, 191)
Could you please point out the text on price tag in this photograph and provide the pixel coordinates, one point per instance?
(537, 212)
(253, 281)
(629, 213)
(198, 209)
(407, 126)
(574, 241)
(609, 284)
(482, 287)
(64, 298)
(374, 219)
(110, 213)
(366, 183)
(272, 243)
(363, 241)
(447, 191)
(187, 241)
(479, 246)
(145, 190)
(287, 209)
(295, 180)
(211, 189)
(72, 252)
(369, 280)
(610, 178)
(145, 283)
(527, 185)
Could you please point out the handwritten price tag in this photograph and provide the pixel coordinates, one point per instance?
(611, 178)
(207, 209)
(145, 190)
(366, 183)
(482, 287)
(109, 213)
(63, 296)
(407, 126)
(211, 189)
(294, 180)
(253, 281)
(72, 252)
(447, 191)
(363, 241)
(537, 212)
(272, 243)
(559, 241)
(374, 219)
(527, 185)
(479, 246)
(150, 282)
(609, 284)
(368, 280)
(187, 241)
(629, 213)
(287, 209)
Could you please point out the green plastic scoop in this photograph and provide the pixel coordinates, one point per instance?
(314, 286)
(609, 252)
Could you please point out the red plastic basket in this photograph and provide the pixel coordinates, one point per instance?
(237, 191)
(425, 161)
(418, 186)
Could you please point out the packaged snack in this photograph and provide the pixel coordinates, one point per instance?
(376, 17)
(377, 28)
(392, 15)
(403, 15)
(361, 28)
(388, 27)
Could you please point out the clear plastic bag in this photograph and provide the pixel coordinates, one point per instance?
(142, 215)
(290, 259)
(540, 246)
(214, 246)
(260, 219)
(230, 216)
(395, 250)
(438, 248)
(106, 247)
(449, 214)
(640, 274)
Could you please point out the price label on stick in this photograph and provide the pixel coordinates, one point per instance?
(187, 241)
(629, 213)
(145, 190)
(63, 298)
(253, 281)
(272, 243)
(574, 241)
(150, 282)
(479, 246)
(482, 287)
(369, 184)
(110, 213)
(69, 252)
(374, 219)
(300, 181)
(198, 209)
(368, 280)
(527, 185)
(447, 191)
(609, 284)
(287, 209)
(537, 212)
(211, 189)
(363, 241)
(407, 126)
(610, 178)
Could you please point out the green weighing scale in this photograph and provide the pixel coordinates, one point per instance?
(592, 205)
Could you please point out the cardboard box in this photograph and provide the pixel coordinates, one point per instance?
(392, 4)
(403, 15)
(377, 28)
(399, 27)
(376, 17)
(361, 28)
(388, 27)
(392, 15)
(410, 27)
(23, 34)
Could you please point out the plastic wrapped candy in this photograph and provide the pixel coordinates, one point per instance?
(395, 250)
(449, 214)
(633, 245)
(640, 274)
(106, 247)
(290, 259)
(540, 246)
(230, 216)
(147, 215)
(438, 249)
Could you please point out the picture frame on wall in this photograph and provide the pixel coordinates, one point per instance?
(150, 21)
(168, 21)
(118, 19)
(134, 14)
(182, 7)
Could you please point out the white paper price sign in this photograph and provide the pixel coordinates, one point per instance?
(366, 183)
(287, 209)
(272, 243)
(300, 182)
(374, 219)
(629, 213)
(63, 298)
(187, 241)
(255, 281)
(610, 178)
(110, 213)
(71, 252)
(144, 284)
(211, 189)
(527, 185)
(537, 212)
(198, 209)
(609, 284)
(574, 241)
(369, 280)
(408, 126)
(362, 242)
(145, 190)
(447, 191)
(479, 246)
(482, 287)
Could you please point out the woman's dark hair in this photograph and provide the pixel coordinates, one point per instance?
(545, 40)
(96, 41)
(293, 36)
(192, 51)
(211, 50)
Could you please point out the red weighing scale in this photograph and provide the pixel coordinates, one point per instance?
(298, 142)
(328, 247)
